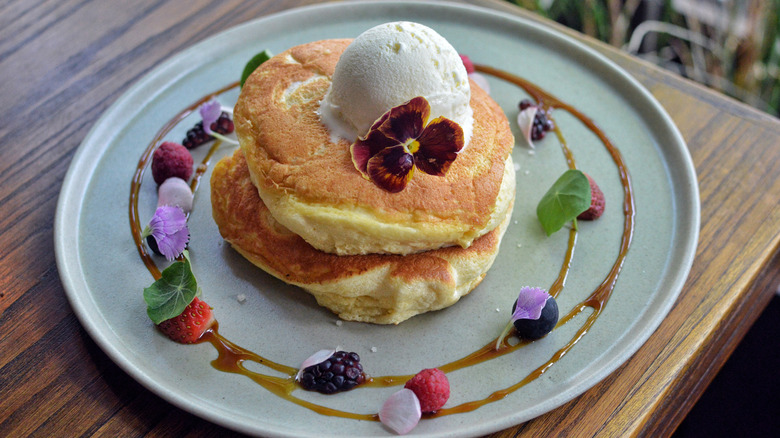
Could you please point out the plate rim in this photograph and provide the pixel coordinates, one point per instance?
(86, 159)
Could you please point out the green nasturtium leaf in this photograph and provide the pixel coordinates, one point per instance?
(167, 297)
(567, 198)
(253, 63)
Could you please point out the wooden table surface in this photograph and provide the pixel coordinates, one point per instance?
(62, 64)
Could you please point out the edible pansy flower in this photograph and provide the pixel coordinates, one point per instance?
(529, 305)
(403, 140)
(210, 112)
(168, 228)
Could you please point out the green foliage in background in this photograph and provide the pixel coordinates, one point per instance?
(739, 54)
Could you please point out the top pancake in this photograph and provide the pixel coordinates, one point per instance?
(310, 185)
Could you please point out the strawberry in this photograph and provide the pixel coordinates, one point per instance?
(188, 327)
(431, 388)
(596, 202)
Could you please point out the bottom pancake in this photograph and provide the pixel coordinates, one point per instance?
(376, 288)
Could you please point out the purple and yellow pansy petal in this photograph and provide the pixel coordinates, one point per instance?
(439, 145)
(361, 153)
(364, 148)
(379, 121)
(406, 121)
(391, 169)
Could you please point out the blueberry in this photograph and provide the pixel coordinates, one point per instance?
(533, 329)
(151, 242)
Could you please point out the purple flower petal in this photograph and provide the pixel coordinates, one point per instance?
(168, 226)
(530, 303)
(406, 121)
(401, 412)
(440, 143)
(391, 169)
(167, 220)
(173, 244)
(210, 112)
(364, 149)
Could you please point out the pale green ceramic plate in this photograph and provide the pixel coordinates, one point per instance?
(104, 277)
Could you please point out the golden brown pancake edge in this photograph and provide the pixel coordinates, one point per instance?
(377, 288)
(311, 186)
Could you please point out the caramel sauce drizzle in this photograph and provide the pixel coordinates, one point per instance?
(138, 177)
(231, 357)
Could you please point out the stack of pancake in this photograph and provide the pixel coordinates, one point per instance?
(291, 201)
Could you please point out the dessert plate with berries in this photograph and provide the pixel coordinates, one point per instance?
(206, 330)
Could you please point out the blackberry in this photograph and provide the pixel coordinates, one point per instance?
(340, 372)
(196, 136)
(541, 124)
(223, 125)
(525, 104)
(533, 329)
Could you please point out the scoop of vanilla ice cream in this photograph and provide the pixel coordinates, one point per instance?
(388, 65)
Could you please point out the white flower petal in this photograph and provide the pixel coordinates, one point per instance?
(401, 412)
(481, 80)
(314, 359)
(525, 121)
(175, 192)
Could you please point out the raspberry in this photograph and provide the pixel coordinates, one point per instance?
(468, 64)
(196, 136)
(597, 202)
(431, 387)
(542, 124)
(169, 160)
(340, 372)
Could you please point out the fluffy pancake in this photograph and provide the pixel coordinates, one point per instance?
(377, 288)
(307, 179)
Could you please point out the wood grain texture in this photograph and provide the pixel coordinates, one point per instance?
(63, 63)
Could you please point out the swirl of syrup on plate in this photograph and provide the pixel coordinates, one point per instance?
(231, 357)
